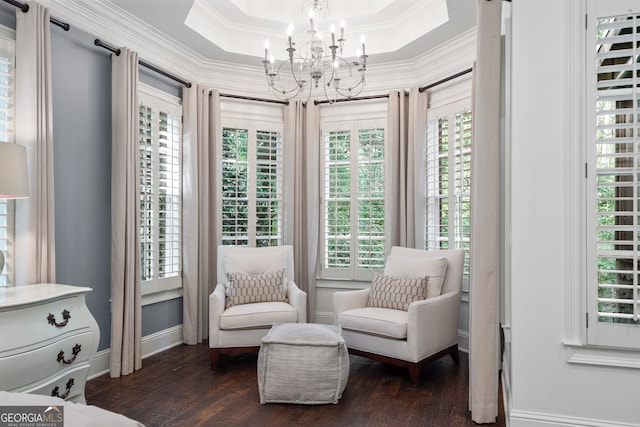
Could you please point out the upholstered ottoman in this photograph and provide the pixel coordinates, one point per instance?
(304, 363)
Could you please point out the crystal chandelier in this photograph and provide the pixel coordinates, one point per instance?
(315, 68)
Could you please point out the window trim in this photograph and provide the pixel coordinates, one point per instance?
(449, 110)
(253, 127)
(233, 114)
(576, 66)
(160, 290)
(8, 35)
(353, 125)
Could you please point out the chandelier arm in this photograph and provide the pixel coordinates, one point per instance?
(300, 83)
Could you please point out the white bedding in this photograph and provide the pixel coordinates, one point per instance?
(75, 414)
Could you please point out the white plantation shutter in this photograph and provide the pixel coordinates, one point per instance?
(448, 179)
(269, 203)
(613, 180)
(353, 202)
(7, 207)
(252, 183)
(371, 199)
(235, 197)
(337, 198)
(160, 147)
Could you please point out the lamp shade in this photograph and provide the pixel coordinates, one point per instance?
(13, 171)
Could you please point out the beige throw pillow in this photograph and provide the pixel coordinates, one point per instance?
(245, 288)
(415, 267)
(392, 292)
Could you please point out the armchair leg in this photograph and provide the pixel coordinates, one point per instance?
(214, 358)
(414, 372)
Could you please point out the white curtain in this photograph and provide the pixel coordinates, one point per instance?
(201, 125)
(485, 217)
(404, 167)
(35, 222)
(126, 307)
(302, 138)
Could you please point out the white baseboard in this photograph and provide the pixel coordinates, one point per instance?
(538, 419)
(324, 317)
(463, 341)
(151, 344)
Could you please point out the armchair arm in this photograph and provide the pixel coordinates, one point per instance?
(347, 300)
(216, 307)
(298, 299)
(433, 324)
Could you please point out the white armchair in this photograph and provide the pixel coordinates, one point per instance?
(239, 328)
(426, 331)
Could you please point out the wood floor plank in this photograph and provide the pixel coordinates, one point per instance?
(178, 388)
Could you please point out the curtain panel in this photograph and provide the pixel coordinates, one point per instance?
(485, 217)
(126, 306)
(35, 216)
(405, 168)
(302, 139)
(201, 131)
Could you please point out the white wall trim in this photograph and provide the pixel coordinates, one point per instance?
(537, 419)
(324, 317)
(601, 356)
(506, 390)
(151, 344)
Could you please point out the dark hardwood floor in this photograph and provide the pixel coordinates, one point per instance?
(178, 388)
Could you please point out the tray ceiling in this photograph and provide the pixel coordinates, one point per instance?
(235, 30)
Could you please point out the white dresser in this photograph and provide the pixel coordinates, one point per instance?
(48, 339)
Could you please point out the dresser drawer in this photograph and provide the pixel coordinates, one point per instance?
(31, 366)
(69, 385)
(40, 322)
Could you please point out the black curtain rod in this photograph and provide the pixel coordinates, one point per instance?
(116, 50)
(439, 82)
(422, 89)
(355, 98)
(25, 8)
(250, 98)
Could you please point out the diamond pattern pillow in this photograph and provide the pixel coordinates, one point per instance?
(245, 288)
(395, 293)
(414, 267)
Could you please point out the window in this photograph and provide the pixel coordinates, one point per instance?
(7, 207)
(353, 202)
(160, 145)
(252, 183)
(613, 184)
(448, 179)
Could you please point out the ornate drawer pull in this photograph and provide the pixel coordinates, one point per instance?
(56, 390)
(65, 316)
(75, 352)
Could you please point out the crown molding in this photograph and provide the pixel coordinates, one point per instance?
(382, 35)
(104, 20)
(114, 26)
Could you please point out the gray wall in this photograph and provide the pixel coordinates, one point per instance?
(81, 74)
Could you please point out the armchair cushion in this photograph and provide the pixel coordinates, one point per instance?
(245, 288)
(377, 321)
(257, 315)
(404, 267)
(392, 292)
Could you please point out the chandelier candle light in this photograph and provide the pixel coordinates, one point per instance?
(317, 69)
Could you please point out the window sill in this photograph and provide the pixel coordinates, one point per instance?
(342, 284)
(602, 356)
(160, 296)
